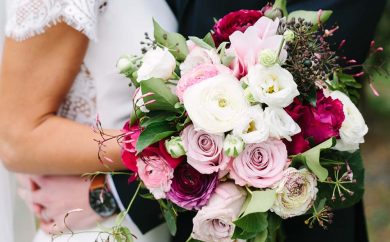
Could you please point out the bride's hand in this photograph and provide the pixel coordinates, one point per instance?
(59, 195)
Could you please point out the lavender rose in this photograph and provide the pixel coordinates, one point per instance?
(260, 165)
(204, 151)
(191, 189)
(214, 222)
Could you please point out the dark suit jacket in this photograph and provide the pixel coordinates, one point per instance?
(357, 20)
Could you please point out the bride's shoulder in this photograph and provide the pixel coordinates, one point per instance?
(27, 18)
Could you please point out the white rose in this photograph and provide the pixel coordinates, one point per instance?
(252, 127)
(353, 128)
(295, 193)
(157, 63)
(216, 105)
(199, 56)
(273, 86)
(139, 101)
(281, 125)
(214, 222)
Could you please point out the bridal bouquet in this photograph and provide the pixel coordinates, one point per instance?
(254, 123)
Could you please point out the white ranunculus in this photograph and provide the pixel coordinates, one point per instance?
(252, 128)
(199, 56)
(157, 63)
(216, 105)
(353, 128)
(295, 193)
(281, 124)
(139, 101)
(273, 85)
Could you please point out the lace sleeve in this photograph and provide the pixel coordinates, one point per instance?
(27, 18)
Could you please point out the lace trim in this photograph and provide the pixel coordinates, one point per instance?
(28, 18)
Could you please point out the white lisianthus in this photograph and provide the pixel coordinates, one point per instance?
(281, 124)
(217, 104)
(139, 101)
(273, 86)
(175, 147)
(295, 193)
(157, 63)
(252, 127)
(353, 128)
(233, 145)
(199, 56)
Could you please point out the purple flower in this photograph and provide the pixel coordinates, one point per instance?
(191, 189)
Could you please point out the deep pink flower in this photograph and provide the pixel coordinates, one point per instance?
(317, 123)
(128, 153)
(191, 189)
(235, 21)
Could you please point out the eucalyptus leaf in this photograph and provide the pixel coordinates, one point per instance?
(252, 223)
(200, 42)
(154, 133)
(312, 159)
(175, 42)
(162, 98)
(260, 201)
(311, 16)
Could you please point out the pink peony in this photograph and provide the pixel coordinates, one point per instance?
(318, 123)
(198, 74)
(247, 46)
(235, 21)
(260, 165)
(129, 157)
(204, 151)
(155, 172)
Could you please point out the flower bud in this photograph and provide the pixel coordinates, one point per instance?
(175, 147)
(289, 35)
(249, 95)
(233, 145)
(126, 63)
(268, 57)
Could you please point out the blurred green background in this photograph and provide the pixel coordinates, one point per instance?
(376, 150)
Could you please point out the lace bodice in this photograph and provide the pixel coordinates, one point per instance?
(27, 18)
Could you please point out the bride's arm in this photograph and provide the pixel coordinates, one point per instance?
(35, 77)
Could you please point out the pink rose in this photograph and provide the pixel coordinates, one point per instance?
(214, 222)
(128, 153)
(260, 165)
(319, 123)
(247, 46)
(155, 172)
(198, 74)
(204, 151)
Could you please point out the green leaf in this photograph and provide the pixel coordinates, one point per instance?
(200, 42)
(312, 159)
(170, 218)
(209, 40)
(260, 201)
(252, 223)
(326, 190)
(126, 233)
(154, 133)
(163, 98)
(311, 16)
(157, 117)
(120, 217)
(175, 42)
(261, 237)
(241, 234)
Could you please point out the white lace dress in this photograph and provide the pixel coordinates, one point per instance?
(114, 27)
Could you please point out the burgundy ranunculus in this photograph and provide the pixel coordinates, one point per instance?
(235, 21)
(129, 157)
(191, 189)
(318, 123)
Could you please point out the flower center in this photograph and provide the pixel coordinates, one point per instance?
(271, 84)
(251, 127)
(222, 102)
